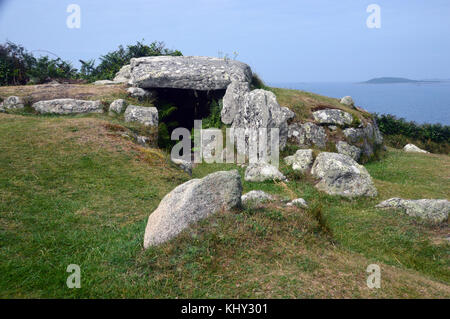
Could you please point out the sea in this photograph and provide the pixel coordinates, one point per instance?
(421, 102)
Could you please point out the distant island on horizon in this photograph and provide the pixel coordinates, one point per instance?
(388, 80)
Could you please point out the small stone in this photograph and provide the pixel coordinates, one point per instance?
(261, 172)
(256, 196)
(299, 202)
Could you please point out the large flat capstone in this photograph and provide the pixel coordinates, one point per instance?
(187, 72)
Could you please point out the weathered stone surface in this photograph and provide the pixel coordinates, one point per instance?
(188, 72)
(184, 165)
(123, 76)
(147, 116)
(67, 106)
(349, 150)
(104, 82)
(256, 197)
(434, 210)
(261, 172)
(302, 160)
(190, 202)
(339, 174)
(139, 93)
(308, 134)
(233, 100)
(142, 140)
(347, 100)
(365, 138)
(333, 116)
(118, 106)
(13, 103)
(411, 148)
(260, 109)
(299, 202)
(288, 114)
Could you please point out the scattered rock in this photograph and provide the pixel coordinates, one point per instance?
(13, 103)
(188, 72)
(288, 114)
(365, 138)
(255, 197)
(307, 134)
(104, 82)
(349, 150)
(233, 100)
(260, 109)
(142, 140)
(411, 148)
(347, 100)
(434, 210)
(67, 106)
(190, 202)
(118, 106)
(147, 116)
(139, 93)
(299, 202)
(333, 116)
(123, 76)
(302, 160)
(339, 174)
(184, 165)
(332, 128)
(261, 172)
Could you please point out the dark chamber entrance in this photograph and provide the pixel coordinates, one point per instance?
(186, 105)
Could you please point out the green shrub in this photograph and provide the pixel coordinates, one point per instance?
(15, 62)
(398, 132)
(111, 62)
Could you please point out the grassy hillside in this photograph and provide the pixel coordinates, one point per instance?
(73, 191)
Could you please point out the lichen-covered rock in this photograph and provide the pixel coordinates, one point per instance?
(261, 172)
(190, 202)
(299, 202)
(104, 82)
(260, 109)
(349, 150)
(118, 106)
(123, 76)
(333, 116)
(411, 148)
(434, 210)
(307, 134)
(147, 116)
(184, 165)
(365, 138)
(347, 100)
(188, 72)
(233, 100)
(288, 114)
(339, 174)
(301, 161)
(256, 197)
(13, 103)
(139, 93)
(67, 106)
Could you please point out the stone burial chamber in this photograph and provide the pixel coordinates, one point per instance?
(192, 84)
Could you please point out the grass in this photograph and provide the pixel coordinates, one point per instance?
(73, 191)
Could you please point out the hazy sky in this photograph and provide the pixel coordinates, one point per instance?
(283, 41)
